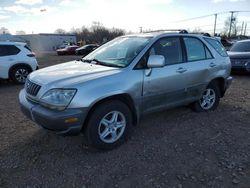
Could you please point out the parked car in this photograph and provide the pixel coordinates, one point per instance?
(62, 46)
(68, 50)
(16, 61)
(85, 50)
(240, 56)
(106, 93)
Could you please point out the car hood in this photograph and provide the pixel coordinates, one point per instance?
(239, 55)
(71, 73)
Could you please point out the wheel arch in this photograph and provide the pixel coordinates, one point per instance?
(124, 98)
(220, 81)
(19, 65)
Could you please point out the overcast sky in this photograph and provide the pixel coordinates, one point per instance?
(45, 16)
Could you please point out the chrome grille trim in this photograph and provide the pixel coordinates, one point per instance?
(31, 88)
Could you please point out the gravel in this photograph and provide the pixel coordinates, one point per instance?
(174, 148)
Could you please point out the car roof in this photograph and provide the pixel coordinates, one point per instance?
(13, 43)
(246, 40)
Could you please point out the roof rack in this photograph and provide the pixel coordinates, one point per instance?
(202, 33)
(161, 30)
(182, 31)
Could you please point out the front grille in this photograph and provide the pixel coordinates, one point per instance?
(31, 88)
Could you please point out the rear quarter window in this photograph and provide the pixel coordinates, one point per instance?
(217, 46)
(6, 50)
(27, 48)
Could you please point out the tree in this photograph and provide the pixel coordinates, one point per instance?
(4, 30)
(97, 33)
(20, 33)
(60, 31)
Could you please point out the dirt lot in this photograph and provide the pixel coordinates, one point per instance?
(175, 148)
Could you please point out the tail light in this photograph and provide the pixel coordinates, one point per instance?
(31, 54)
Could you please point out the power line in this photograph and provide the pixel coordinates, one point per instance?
(209, 15)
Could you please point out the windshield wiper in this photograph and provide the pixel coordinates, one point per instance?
(97, 62)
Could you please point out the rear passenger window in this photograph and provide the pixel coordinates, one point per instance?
(170, 48)
(6, 50)
(217, 46)
(196, 50)
(2, 50)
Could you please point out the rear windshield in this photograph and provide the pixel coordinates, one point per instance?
(217, 46)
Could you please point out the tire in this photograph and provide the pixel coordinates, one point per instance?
(19, 74)
(210, 99)
(108, 125)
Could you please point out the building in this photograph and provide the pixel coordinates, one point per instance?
(9, 37)
(41, 42)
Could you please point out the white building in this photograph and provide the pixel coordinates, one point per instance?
(41, 42)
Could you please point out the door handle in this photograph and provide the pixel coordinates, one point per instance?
(212, 64)
(181, 70)
(10, 59)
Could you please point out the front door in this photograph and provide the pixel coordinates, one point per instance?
(165, 87)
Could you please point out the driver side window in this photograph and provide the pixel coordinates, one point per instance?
(170, 48)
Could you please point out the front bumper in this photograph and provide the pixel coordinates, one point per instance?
(57, 121)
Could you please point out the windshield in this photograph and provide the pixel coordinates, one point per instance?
(119, 52)
(241, 47)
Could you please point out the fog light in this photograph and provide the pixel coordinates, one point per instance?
(71, 120)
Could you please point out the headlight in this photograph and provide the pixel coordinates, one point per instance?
(58, 99)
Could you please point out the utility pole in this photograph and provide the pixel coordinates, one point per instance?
(245, 29)
(242, 27)
(231, 20)
(215, 20)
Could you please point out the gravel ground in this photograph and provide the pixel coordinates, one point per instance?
(174, 148)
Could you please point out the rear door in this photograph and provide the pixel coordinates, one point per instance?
(200, 63)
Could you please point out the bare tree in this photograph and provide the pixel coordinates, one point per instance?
(97, 33)
(60, 31)
(4, 30)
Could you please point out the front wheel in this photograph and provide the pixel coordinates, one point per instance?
(209, 100)
(108, 125)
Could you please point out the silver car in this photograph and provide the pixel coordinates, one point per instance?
(104, 94)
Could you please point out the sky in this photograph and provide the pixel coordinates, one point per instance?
(45, 16)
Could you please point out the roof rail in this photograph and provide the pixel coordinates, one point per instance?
(161, 30)
(202, 33)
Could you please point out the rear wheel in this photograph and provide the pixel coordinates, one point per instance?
(19, 74)
(108, 125)
(209, 100)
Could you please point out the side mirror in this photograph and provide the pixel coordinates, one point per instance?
(156, 61)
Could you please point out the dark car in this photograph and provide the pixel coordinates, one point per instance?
(68, 50)
(226, 43)
(240, 56)
(85, 50)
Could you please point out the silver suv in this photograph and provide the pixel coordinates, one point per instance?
(106, 92)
